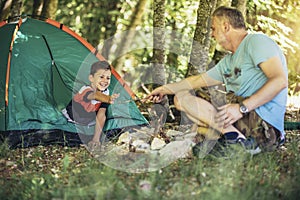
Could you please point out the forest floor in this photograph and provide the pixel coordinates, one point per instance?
(58, 172)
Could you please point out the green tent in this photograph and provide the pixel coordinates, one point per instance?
(42, 64)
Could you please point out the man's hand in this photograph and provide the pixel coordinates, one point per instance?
(228, 114)
(157, 95)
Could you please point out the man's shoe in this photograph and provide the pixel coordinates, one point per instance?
(249, 144)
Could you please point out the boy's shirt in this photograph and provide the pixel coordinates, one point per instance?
(88, 105)
(81, 110)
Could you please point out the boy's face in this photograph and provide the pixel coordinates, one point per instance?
(101, 79)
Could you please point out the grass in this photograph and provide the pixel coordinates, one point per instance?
(56, 172)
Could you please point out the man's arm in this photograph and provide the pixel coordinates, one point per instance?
(276, 82)
(189, 83)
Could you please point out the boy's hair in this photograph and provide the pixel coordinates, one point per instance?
(99, 65)
(234, 16)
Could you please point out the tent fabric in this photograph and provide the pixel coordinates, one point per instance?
(42, 64)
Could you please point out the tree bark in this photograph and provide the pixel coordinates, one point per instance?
(16, 9)
(241, 6)
(201, 41)
(218, 55)
(4, 9)
(224, 3)
(37, 7)
(158, 60)
(49, 8)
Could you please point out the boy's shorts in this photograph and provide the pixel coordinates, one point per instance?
(251, 125)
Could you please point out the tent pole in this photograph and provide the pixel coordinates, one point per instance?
(9, 59)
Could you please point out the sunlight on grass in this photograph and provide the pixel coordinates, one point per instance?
(293, 102)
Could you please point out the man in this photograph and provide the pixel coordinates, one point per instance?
(255, 71)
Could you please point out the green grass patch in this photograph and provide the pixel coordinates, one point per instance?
(56, 172)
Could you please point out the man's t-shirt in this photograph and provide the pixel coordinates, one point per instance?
(242, 75)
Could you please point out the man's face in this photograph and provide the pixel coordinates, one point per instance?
(101, 79)
(218, 31)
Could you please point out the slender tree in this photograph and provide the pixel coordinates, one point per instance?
(49, 8)
(224, 3)
(218, 55)
(158, 59)
(4, 9)
(241, 6)
(37, 7)
(16, 8)
(201, 42)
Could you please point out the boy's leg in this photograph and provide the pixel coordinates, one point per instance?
(100, 120)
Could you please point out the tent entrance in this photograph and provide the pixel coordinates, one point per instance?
(48, 64)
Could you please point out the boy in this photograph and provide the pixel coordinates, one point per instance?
(91, 101)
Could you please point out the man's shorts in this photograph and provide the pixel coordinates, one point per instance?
(251, 125)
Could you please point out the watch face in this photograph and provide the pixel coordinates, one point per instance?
(243, 109)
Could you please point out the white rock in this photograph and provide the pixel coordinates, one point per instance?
(140, 136)
(177, 149)
(140, 146)
(149, 130)
(157, 144)
(124, 138)
(173, 133)
(188, 136)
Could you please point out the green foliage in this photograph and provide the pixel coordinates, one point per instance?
(94, 20)
(278, 19)
(294, 80)
(98, 21)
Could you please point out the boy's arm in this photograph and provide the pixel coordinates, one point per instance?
(99, 96)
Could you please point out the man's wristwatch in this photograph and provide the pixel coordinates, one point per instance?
(243, 109)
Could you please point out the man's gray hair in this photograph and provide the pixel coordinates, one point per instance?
(234, 16)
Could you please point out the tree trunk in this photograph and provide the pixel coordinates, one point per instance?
(158, 62)
(4, 9)
(241, 6)
(37, 7)
(158, 59)
(16, 9)
(201, 42)
(224, 3)
(128, 38)
(49, 8)
(218, 55)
